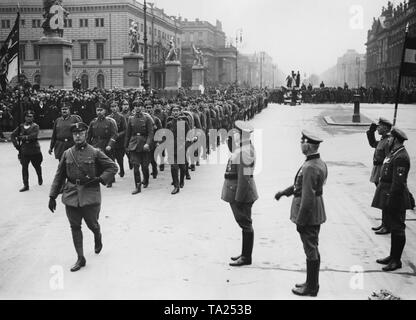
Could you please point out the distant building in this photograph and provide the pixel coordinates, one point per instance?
(385, 44)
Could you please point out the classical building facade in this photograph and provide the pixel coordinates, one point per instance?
(385, 44)
(99, 34)
(257, 70)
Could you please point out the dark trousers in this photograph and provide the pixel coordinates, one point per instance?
(242, 214)
(310, 239)
(175, 169)
(90, 214)
(140, 159)
(36, 161)
(119, 156)
(153, 161)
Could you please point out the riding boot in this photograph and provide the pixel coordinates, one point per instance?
(247, 250)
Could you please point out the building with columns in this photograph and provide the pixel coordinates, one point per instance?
(99, 34)
(385, 42)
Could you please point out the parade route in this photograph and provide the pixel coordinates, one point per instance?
(159, 246)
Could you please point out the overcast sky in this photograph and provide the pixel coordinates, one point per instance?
(306, 35)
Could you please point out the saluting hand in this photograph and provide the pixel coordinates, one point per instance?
(373, 127)
(52, 204)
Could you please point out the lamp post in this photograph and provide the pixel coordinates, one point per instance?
(145, 66)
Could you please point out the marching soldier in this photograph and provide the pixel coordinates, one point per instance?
(382, 149)
(239, 188)
(126, 113)
(61, 134)
(308, 211)
(139, 136)
(78, 173)
(393, 197)
(157, 125)
(25, 140)
(178, 164)
(121, 123)
(102, 133)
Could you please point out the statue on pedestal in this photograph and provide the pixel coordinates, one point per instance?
(54, 15)
(172, 54)
(134, 37)
(198, 56)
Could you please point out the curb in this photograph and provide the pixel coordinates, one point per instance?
(331, 122)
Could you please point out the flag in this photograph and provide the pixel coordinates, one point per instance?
(9, 53)
(409, 61)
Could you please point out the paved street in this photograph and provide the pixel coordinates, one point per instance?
(159, 246)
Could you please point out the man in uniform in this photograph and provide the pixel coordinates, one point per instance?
(139, 136)
(239, 188)
(178, 159)
(25, 140)
(157, 125)
(382, 149)
(308, 211)
(61, 134)
(121, 123)
(393, 197)
(102, 133)
(81, 170)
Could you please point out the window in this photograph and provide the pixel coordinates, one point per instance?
(5, 24)
(200, 35)
(100, 51)
(158, 33)
(100, 81)
(22, 51)
(67, 23)
(99, 22)
(84, 51)
(84, 81)
(192, 37)
(36, 23)
(22, 22)
(36, 52)
(83, 23)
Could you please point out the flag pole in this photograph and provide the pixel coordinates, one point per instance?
(400, 75)
(18, 63)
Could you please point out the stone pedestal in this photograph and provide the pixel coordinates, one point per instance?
(173, 79)
(55, 62)
(356, 117)
(198, 77)
(131, 67)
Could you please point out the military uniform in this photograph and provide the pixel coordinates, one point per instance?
(240, 191)
(25, 140)
(62, 136)
(308, 212)
(102, 133)
(119, 150)
(139, 133)
(80, 170)
(393, 196)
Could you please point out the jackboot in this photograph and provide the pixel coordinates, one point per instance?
(81, 262)
(312, 283)
(138, 189)
(25, 188)
(247, 250)
(397, 245)
(78, 244)
(98, 243)
(383, 231)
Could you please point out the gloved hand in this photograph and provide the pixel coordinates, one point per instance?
(278, 196)
(146, 147)
(52, 204)
(373, 127)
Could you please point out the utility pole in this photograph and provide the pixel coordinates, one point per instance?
(145, 65)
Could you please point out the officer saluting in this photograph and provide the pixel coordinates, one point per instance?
(61, 134)
(239, 188)
(308, 211)
(393, 196)
(382, 149)
(78, 172)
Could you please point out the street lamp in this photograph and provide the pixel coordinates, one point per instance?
(145, 66)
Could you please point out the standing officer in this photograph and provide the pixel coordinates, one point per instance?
(121, 123)
(102, 133)
(25, 140)
(61, 134)
(78, 172)
(239, 188)
(393, 197)
(382, 149)
(308, 211)
(139, 136)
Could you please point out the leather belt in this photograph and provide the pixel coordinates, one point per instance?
(299, 194)
(78, 182)
(141, 135)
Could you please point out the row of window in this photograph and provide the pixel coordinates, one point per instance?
(156, 33)
(37, 23)
(84, 48)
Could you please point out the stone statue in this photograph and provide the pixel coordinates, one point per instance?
(54, 15)
(134, 37)
(198, 56)
(172, 54)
